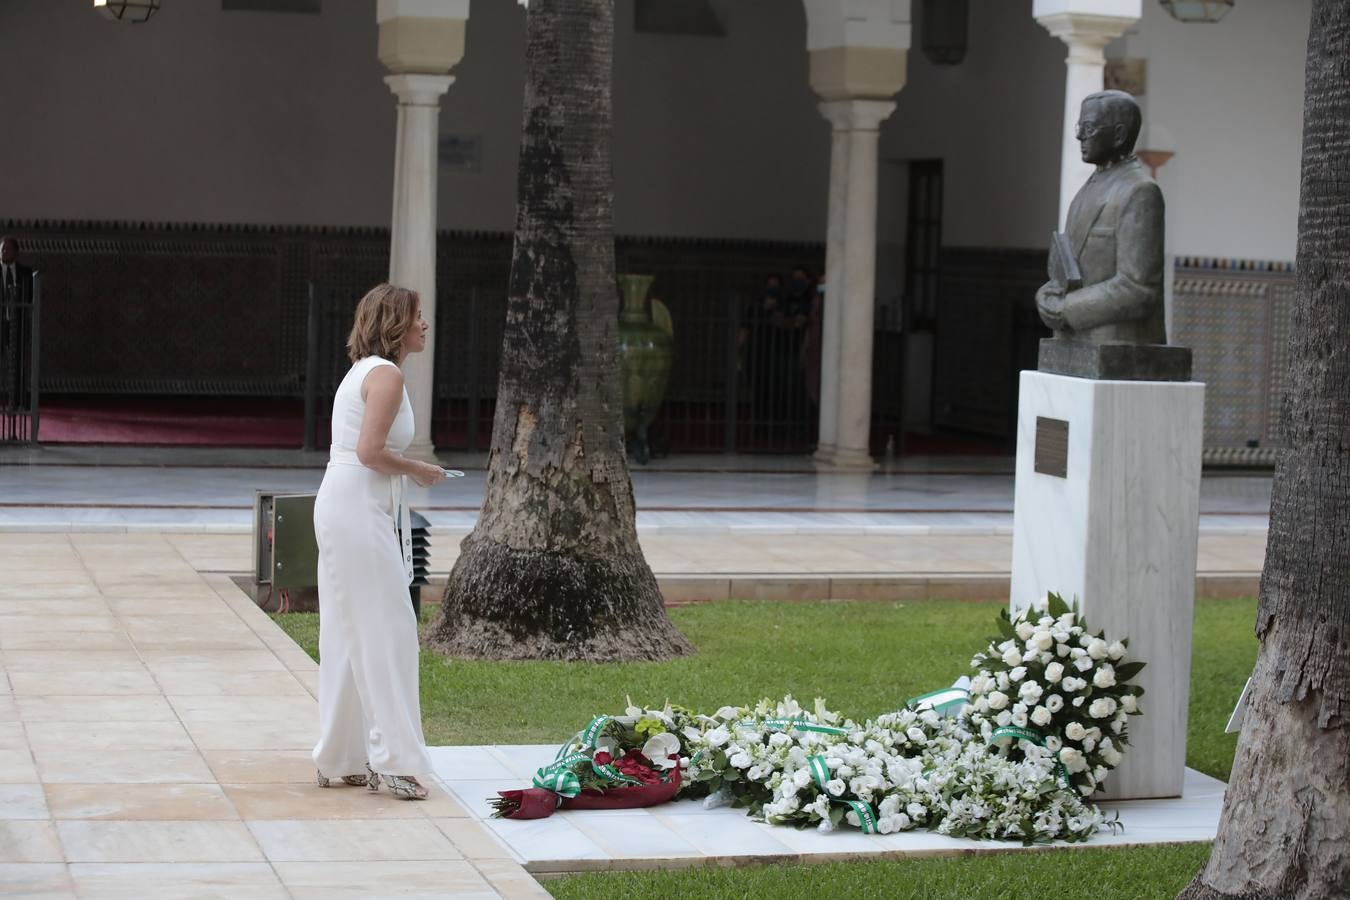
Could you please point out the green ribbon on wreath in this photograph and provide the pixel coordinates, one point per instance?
(560, 778)
(1006, 733)
(945, 701)
(820, 774)
(793, 725)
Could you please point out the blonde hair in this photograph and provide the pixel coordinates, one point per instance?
(383, 318)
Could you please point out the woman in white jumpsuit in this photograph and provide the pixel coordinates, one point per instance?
(370, 720)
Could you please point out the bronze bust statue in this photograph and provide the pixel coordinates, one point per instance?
(1106, 269)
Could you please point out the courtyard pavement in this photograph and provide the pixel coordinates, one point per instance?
(155, 724)
(155, 728)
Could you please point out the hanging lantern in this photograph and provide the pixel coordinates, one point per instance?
(1197, 10)
(942, 30)
(133, 11)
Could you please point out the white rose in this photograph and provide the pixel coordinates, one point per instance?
(779, 739)
(998, 700)
(981, 683)
(1102, 707)
(1004, 718)
(1116, 650)
(1086, 641)
(1097, 649)
(1054, 672)
(1078, 653)
(1012, 657)
(740, 760)
(1099, 774)
(1089, 745)
(1053, 743)
(1075, 731)
(1019, 719)
(1078, 701)
(1018, 673)
(1030, 692)
(1024, 630)
(1083, 663)
(1111, 755)
(982, 705)
(1095, 733)
(1116, 726)
(1002, 682)
(717, 737)
(1067, 621)
(1042, 640)
(1130, 703)
(1074, 761)
(1061, 649)
(1054, 703)
(835, 788)
(916, 735)
(916, 811)
(1041, 716)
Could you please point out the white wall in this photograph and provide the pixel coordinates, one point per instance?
(266, 118)
(197, 115)
(201, 115)
(1228, 100)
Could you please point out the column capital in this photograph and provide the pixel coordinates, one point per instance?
(1085, 34)
(421, 36)
(419, 90)
(856, 115)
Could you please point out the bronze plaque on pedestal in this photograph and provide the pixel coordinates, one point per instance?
(1052, 447)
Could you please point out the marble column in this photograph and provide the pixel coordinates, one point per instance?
(412, 246)
(834, 113)
(1086, 27)
(861, 122)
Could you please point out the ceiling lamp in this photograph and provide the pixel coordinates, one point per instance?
(1197, 10)
(133, 11)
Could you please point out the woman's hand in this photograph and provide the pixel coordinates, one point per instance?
(425, 474)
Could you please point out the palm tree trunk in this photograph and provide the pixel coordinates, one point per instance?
(1285, 830)
(553, 570)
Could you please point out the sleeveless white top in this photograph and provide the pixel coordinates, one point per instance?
(349, 408)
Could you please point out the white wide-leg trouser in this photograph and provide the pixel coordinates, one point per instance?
(368, 701)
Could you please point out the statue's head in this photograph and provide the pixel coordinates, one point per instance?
(1108, 126)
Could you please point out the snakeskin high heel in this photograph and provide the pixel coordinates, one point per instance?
(354, 780)
(404, 787)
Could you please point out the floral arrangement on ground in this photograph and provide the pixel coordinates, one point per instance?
(1014, 752)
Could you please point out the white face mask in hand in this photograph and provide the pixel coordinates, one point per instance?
(453, 473)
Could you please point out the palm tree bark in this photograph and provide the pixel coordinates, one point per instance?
(552, 569)
(1285, 830)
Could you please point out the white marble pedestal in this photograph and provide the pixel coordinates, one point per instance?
(1118, 532)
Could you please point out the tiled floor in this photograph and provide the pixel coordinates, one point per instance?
(157, 749)
(684, 833)
(57, 488)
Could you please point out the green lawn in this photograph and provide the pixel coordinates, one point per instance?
(864, 658)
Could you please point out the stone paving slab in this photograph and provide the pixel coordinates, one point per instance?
(154, 751)
(685, 834)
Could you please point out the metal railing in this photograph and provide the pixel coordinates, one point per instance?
(20, 359)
